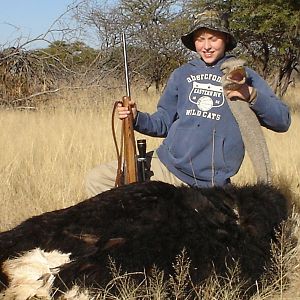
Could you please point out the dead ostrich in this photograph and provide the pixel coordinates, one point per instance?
(146, 224)
(143, 224)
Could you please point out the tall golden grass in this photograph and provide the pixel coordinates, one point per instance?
(46, 153)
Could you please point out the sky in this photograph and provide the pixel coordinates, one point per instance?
(28, 18)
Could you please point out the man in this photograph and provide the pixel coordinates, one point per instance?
(202, 143)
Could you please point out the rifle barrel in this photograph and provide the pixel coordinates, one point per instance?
(126, 65)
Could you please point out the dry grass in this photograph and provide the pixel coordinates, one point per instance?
(46, 154)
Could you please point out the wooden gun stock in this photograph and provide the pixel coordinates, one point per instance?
(130, 166)
(130, 173)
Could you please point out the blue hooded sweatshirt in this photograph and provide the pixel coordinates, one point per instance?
(202, 143)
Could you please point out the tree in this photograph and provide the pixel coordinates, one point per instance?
(153, 29)
(269, 36)
(76, 55)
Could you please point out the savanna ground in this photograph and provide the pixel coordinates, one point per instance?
(45, 154)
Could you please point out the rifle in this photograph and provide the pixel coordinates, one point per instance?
(133, 166)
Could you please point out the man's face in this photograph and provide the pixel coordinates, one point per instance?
(210, 44)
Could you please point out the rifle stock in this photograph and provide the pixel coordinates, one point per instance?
(130, 166)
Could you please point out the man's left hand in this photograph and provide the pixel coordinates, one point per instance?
(245, 93)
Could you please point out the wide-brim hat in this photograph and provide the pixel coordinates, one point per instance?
(209, 19)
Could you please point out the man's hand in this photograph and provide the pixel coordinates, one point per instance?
(124, 112)
(245, 93)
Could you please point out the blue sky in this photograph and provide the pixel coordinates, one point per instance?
(28, 18)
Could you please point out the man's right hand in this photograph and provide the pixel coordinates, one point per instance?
(124, 112)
